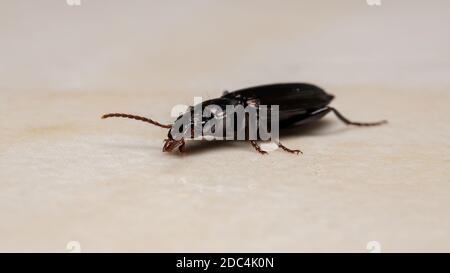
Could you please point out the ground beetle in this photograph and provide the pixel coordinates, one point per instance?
(299, 103)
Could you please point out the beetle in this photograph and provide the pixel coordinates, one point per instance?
(299, 103)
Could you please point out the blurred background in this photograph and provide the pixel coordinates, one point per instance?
(67, 176)
(204, 46)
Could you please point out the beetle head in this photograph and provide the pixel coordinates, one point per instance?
(170, 143)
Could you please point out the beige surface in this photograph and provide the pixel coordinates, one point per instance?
(66, 175)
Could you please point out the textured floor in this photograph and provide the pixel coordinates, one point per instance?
(66, 175)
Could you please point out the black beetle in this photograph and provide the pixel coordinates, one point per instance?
(299, 103)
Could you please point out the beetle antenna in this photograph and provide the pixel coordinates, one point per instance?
(144, 119)
(348, 122)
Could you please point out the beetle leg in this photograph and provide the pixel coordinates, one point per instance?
(348, 122)
(257, 147)
(289, 150)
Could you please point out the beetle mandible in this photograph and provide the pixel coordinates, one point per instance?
(299, 103)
